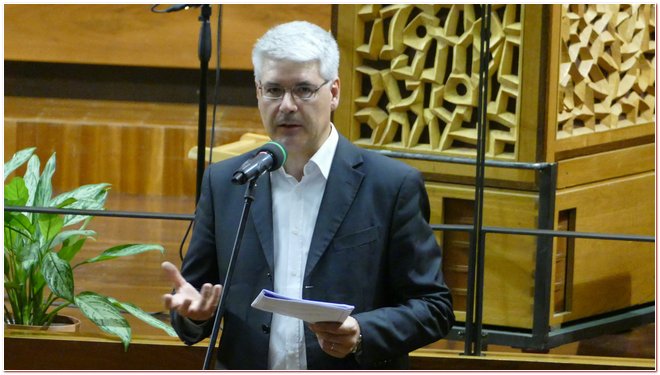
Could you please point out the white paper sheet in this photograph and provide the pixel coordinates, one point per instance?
(307, 310)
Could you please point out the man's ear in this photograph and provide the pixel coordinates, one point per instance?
(335, 90)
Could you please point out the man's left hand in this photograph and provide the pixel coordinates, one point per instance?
(337, 339)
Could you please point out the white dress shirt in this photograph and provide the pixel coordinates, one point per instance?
(295, 208)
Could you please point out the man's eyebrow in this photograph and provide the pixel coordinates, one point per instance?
(301, 83)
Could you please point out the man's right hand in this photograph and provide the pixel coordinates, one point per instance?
(187, 301)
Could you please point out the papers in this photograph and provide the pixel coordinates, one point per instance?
(309, 311)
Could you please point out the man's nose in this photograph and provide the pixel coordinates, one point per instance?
(288, 103)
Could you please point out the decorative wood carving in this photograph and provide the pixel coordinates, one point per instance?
(419, 67)
(607, 69)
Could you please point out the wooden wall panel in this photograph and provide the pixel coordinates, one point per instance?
(510, 259)
(606, 165)
(607, 275)
(96, 352)
(611, 275)
(9, 133)
(139, 148)
(148, 352)
(130, 34)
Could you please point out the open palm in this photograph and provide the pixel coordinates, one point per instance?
(187, 300)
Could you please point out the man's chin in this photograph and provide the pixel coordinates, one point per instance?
(288, 141)
(279, 139)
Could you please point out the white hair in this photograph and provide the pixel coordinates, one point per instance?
(298, 41)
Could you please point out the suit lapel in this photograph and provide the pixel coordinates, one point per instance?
(262, 216)
(340, 191)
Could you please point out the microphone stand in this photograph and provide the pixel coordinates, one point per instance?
(204, 53)
(220, 310)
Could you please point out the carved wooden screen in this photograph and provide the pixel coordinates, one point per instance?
(607, 71)
(605, 85)
(563, 78)
(416, 79)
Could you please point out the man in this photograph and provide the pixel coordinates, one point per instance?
(336, 223)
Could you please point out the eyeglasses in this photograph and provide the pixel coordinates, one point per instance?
(302, 92)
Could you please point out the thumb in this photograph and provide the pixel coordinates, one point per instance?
(173, 274)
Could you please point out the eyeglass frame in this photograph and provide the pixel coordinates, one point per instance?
(312, 96)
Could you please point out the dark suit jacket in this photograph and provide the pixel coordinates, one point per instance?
(372, 248)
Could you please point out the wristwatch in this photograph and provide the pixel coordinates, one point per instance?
(358, 346)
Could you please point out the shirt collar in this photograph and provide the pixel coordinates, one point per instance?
(324, 155)
(322, 158)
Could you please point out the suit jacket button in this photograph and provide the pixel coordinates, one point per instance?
(265, 328)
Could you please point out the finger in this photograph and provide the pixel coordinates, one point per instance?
(217, 292)
(334, 349)
(213, 298)
(205, 291)
(205, 303)
(184, 308)
(348, 328)
(333, 335)
(339, 341)
(173, 274)
(329, 327)
(167, 300)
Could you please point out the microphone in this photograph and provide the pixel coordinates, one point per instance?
(269, 157)
(175, 8)
(178, 7)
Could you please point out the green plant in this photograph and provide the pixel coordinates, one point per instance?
(39, 251)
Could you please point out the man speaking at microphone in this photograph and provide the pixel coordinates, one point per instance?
(337, 223)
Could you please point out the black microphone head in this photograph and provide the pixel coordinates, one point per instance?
(178, 7)
(268, 157)
(278, 153)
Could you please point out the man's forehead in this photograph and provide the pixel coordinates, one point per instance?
(272, 69)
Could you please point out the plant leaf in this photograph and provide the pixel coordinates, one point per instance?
(16, 193)
(19, 243)
(71, 246)
(67, 234)
(58, 275)
(12, 285)
(45, 187)
(106, 316)
(144, 316)
(87, 197)
(83, 193)
(49, 225)
(32, 178)
(28, 254)
(124, 250)
(18, 223)
(65, 203)
(17, 160)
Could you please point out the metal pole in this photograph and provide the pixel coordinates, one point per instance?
(204, 53)
(481, 252)
(226, 285)
(474, 308)
(543, 267)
